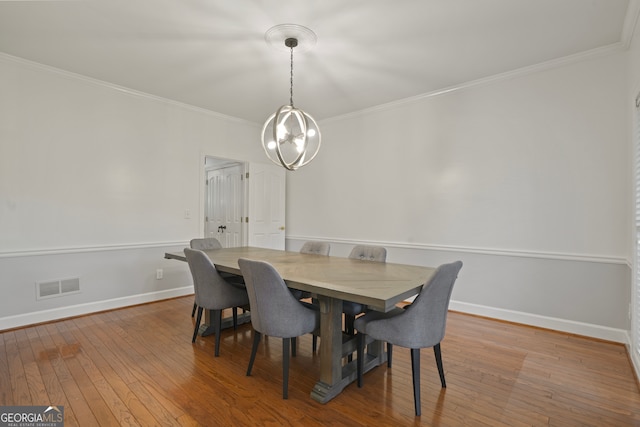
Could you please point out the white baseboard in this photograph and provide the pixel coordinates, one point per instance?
(20, 320)
(635, 360)
(578, 328)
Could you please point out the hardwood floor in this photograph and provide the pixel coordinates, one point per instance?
(137, 366)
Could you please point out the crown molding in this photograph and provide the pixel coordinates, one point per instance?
(519, 72)
(131, 92)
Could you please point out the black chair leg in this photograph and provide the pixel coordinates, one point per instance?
(389, 354)
(194, 309)
(217, 321)
(360, 357)
(198, 319)
(294, 341)
(235, 317)
(415, 368)
(436, 351)
(286, 343)
(254, 350)
(349, 330)
(348, 324)
(314, 344)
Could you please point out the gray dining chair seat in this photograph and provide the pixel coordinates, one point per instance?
(276, 312)
(213, 293)
(422, 324)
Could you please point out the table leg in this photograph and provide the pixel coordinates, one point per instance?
(330, 384)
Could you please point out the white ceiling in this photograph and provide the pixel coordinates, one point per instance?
(212, 53)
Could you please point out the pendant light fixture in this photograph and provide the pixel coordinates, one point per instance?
(291, 137)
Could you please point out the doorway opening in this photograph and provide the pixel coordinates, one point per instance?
(224, 201)
(244, 203)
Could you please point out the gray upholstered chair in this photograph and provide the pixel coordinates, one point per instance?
(422, 324)
(312, 248)
(316, 248)
(203, 245)
(275, 312)
(206, 244)
(213, 292)
(352, 309)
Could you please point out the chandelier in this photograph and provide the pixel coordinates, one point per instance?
(290, 137)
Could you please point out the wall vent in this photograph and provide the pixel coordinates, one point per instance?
(57, 288)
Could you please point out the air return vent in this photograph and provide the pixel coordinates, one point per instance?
(57, 288)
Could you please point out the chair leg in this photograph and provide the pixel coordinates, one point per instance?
(348, 324)
(360, 357)
(389, 354)
(217, 320)
(436, 351)
(349, 330)
(198, 319)
(194, 309)
(235, 317)
(286, 343)
(254, 350)
(314, 344)
(415, 368)
(294, 341)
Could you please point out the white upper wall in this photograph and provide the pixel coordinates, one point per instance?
(84, 164)
(535, 162)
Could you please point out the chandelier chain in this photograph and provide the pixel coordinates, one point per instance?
(291, 80)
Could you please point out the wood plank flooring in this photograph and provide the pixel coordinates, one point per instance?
(137, 366)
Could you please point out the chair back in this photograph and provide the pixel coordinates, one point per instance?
(205, 244)
(274, 310)
(423, 323)
(212, 291)
(369, 253)
(316, 248)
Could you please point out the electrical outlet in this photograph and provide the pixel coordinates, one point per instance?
(159, 273)
(187, 214)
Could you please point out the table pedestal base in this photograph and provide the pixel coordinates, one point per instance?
(374, 356)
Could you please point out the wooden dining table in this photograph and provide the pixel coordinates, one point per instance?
(380, 286)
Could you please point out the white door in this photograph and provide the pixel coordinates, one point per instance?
(266, 205)
(224, 205)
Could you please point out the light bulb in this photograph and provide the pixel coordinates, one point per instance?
(282, 131)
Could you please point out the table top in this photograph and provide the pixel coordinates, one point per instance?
(378, 285)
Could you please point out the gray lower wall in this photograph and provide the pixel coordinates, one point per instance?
(109, 278)
(577, 295)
